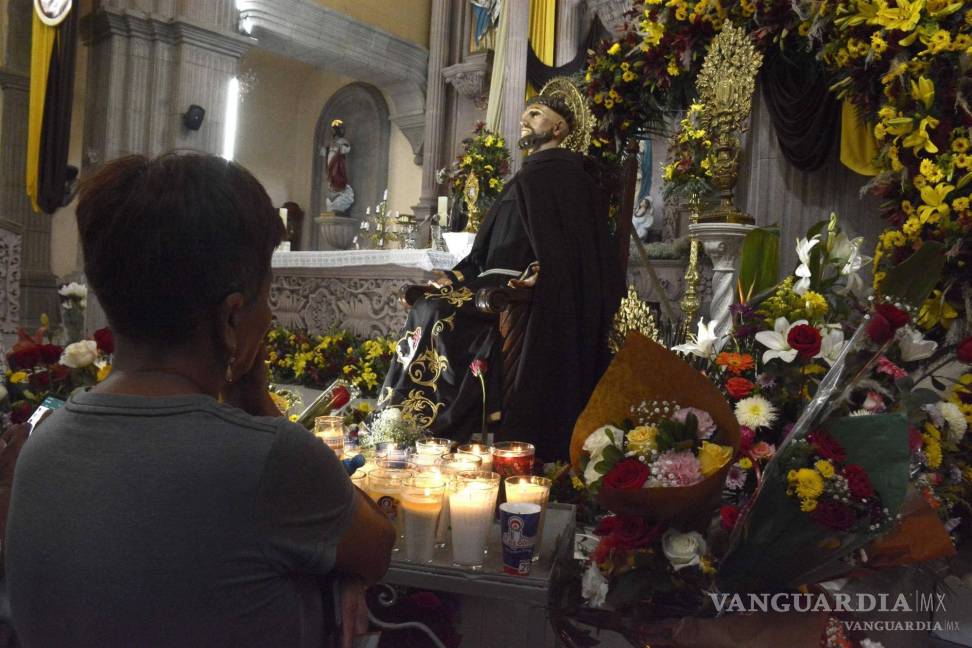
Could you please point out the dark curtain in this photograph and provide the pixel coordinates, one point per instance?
(805, 114)
(538, 72)
(56, 128)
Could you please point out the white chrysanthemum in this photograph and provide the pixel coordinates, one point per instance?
(755, 412)
(79, 354)
(73, 290)
(955, 419)
(594, 587)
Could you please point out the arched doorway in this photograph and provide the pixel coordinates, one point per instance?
(365, 115)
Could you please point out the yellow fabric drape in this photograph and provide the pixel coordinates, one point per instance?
(41, 48)
(497, 79)
(543, 20)
(858, 148)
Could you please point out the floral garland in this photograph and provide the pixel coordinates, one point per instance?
(905, 65)
(318, 360)
(688, 169)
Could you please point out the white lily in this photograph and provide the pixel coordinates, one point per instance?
(846, 253)
(776, 340)
(831, 344)
(705, 344)
(913, 345)
(803, 247)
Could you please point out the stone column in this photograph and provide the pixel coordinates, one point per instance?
(570, 24)
(722, 243)
(435, 99)
(145, 70)
(27, 287)
(514, 84)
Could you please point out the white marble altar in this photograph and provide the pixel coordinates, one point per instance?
(355, 290)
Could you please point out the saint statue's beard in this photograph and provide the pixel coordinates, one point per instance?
(534, 140)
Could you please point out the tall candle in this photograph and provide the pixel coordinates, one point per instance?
(528, 489)
(421, 505)
(385, 487)
(471, 506)
(482, 451)
(283, 215)
(384, 196)
(450, 465)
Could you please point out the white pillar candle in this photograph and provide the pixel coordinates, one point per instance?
(283, 215)
(421, 505)
(471, 509)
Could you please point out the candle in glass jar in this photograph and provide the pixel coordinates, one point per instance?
(330, 430)
(433, 445)
(528, 489)
(421, 505)
(482, 451)
(513, 458)
(450, 465)
(471, 507)
(385, 487)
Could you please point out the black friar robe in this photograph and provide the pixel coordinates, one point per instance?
(552, 212)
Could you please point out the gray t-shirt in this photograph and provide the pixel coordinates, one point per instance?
(174, 521)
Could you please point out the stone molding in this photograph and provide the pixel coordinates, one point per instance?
(10, 269)
(104, 24)
(327, 39)
(471, 78)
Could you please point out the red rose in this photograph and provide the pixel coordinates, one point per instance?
(21, 412)
(40, 380)
(50, 353)
(805, 339)
(105, 339)
(858, 481)
(729, 515)
(827, 446)
(477, 367)
(894, 315)
(606, 525)
(627, 474)
(339, 398)
(604, 548)
(739, 387)
(915, 441)
(834, 515)
(632, 532)
(26, 357)
(964, 351)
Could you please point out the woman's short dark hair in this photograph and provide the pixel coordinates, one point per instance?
(166, 240)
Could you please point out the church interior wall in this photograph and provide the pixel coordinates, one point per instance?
(408, 20)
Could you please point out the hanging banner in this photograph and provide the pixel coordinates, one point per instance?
(52, 12)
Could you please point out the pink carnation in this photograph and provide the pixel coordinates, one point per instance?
(676, 469)
(706, 425)
(885, 366)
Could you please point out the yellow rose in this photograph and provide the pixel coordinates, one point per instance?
(825, 468)
(643, 439)
(18, 377)
(713, 456)
(809, 484)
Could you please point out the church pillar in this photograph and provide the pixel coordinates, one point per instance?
(435, 107)
(570, 23)
(514, 83)
(145, 70)
(27, 286)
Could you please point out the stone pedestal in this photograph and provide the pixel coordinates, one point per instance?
(722, 243)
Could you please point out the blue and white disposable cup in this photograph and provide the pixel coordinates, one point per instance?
(519, 526)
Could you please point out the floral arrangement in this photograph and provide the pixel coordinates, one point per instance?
(299, 357)
(74, 300)
(38, 368)
(485, 157)
(668, 447)
(389, 425)
(688, 169)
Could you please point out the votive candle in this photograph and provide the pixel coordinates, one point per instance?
(513, 458)
(528, 489)
(482, 450)
(330, 430)
(471, 507)
(421, 505)
(385, 487)
(434, 445)
(450, 465)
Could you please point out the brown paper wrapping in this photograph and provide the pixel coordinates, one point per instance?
(643, 371)
(761, 630)
(919, 537)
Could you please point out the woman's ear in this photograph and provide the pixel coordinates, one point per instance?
(228, 323)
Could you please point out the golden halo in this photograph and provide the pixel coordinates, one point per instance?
(579, 139)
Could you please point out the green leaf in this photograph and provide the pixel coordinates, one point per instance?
(612, 454)
(912, 280)
(604, 467)
(760, 260)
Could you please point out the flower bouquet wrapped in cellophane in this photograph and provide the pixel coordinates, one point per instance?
(641, 372)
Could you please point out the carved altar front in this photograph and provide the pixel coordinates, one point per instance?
(355, 290)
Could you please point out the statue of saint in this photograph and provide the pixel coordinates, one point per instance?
(340, 195)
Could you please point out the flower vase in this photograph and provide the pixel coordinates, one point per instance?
(72, 322)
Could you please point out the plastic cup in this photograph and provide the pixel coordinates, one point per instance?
(527, 489)
(519, 527)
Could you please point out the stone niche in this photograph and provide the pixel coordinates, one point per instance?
(365, 115)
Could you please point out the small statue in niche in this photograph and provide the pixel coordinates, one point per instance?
(643, 218)
(340, 195)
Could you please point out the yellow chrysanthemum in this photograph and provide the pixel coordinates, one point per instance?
(825, 468)
(960, 204)
(808, 505)
(18, 377)
(933, 452)
(878, 44)
(930, 170)
(614, 49)
(911, 226)
(808, 483)
(815, 304)
(919, 181)
(960, 144)
(745, 463)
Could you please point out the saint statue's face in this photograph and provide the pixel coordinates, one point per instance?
(540, 125)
